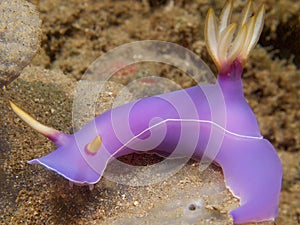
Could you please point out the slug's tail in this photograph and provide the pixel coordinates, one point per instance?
(253, 173)
(49, 132)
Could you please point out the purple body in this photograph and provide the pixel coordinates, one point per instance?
(212, 121)
(207, 122)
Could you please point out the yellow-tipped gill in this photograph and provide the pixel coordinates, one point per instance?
(228, 42)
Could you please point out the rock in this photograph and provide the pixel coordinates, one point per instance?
(20, 32)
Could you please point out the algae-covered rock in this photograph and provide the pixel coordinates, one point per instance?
(19, 37)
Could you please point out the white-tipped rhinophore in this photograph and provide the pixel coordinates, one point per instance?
(49, 132)
(229, 42)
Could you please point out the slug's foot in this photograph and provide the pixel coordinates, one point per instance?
(91, 186)
(241, 215)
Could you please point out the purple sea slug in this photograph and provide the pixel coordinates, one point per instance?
(187, 122)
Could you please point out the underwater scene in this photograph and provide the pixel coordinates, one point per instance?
(150, 112)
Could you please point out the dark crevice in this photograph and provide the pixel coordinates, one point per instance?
(286, 39)
(157, 3)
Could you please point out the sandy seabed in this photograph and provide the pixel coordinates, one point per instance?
(74, 34)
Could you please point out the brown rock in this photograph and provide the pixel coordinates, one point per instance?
(19, 37)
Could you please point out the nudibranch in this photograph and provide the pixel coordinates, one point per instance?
(186, 122)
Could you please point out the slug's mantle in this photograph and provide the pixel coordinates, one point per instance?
(185, 123)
